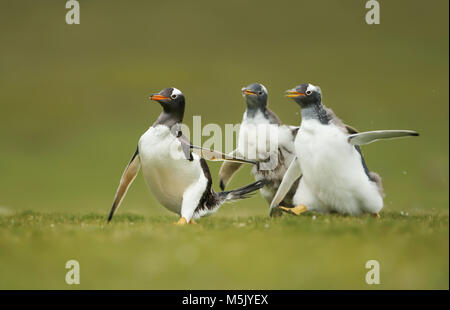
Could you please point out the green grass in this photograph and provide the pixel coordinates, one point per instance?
(311, 251)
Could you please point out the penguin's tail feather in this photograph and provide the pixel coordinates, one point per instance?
(241, 193)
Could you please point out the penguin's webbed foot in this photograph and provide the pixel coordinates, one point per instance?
(295, 210)
(183, 221)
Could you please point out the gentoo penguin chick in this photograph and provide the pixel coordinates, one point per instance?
(262, 137)
(173, 169)
(335, 177)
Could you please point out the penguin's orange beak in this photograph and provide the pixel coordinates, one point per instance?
(158, 97)
(294, 94)
(246, 91)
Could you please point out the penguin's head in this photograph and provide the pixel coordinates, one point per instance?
(171, 99)
(255, 96)
(305, 95)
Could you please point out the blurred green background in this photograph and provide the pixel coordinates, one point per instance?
(74, 98)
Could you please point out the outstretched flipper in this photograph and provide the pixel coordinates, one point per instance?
(372, 136)
(292, 174)
(227, 171)
(209, 154)
(218, 156)
(128, 177)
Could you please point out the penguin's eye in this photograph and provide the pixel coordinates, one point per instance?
(174, 96)
(308, 92)
(260, 93)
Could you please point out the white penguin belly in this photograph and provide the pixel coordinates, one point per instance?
(272, 145)
(166, 170)
(257, 138)
(333, 173)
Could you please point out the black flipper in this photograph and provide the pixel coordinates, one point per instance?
(127, 178)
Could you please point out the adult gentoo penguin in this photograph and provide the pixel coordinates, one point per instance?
(335, 177)
(173, 169)
(263, 138)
